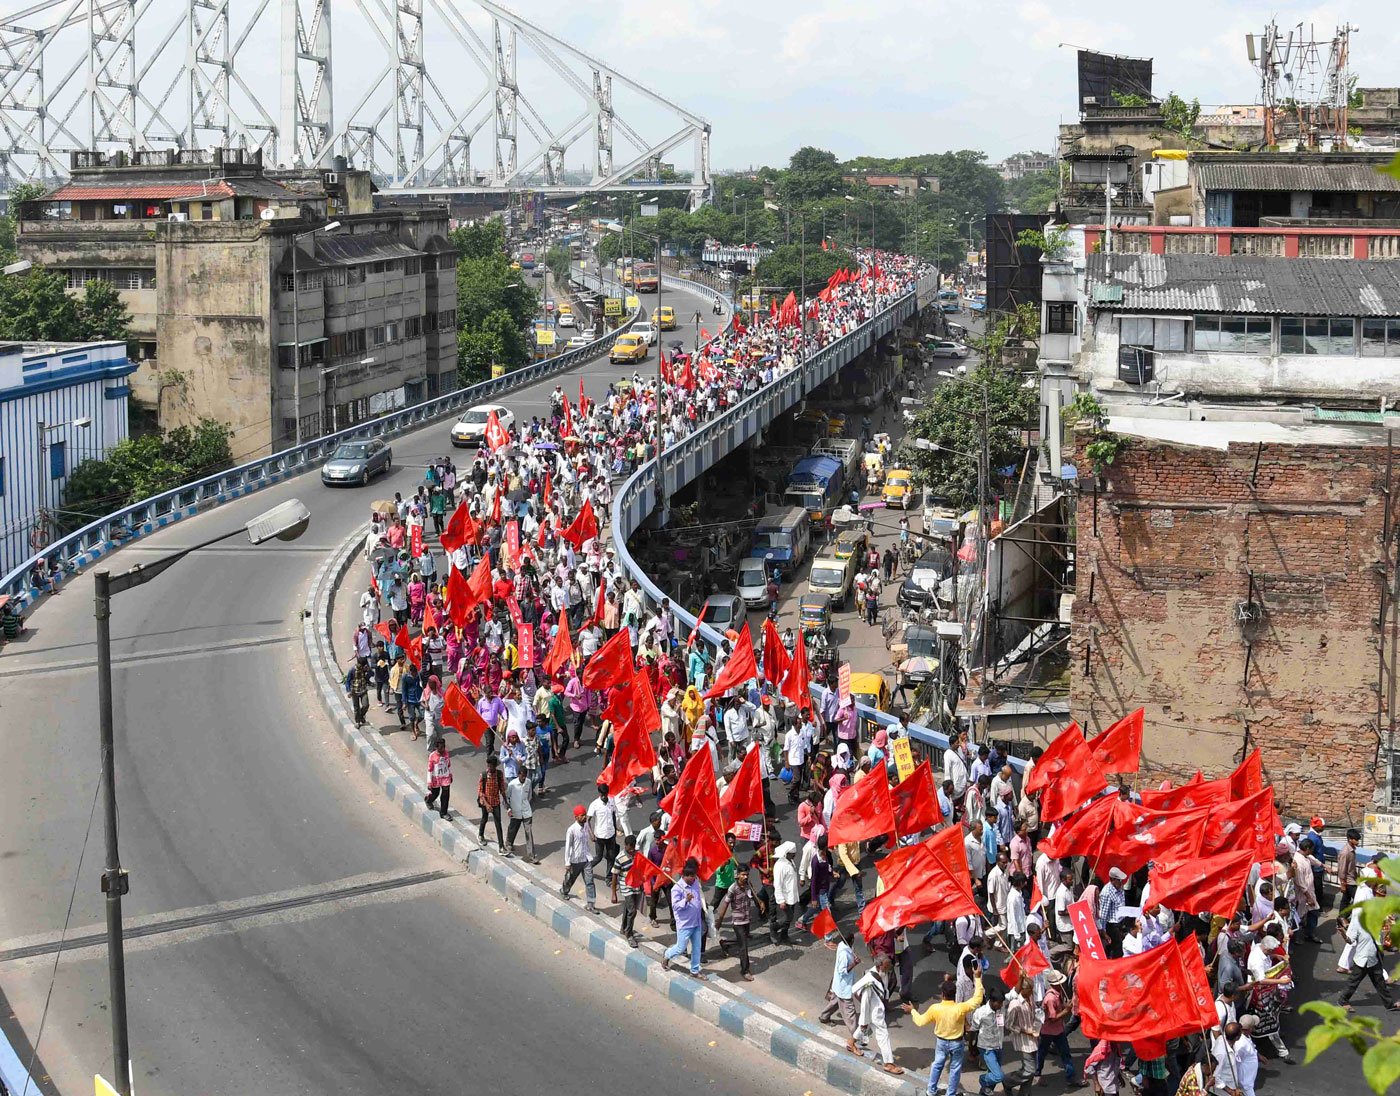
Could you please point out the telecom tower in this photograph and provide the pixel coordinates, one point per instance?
(1304, 97)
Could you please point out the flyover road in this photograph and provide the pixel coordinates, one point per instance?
(291, 934)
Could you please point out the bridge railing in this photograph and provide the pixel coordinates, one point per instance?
(690, 456)
(85, 546)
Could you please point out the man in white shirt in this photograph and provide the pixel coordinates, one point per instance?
(1064, 898)
(795, 747)
(1236, 1061)
(998, 884)
(602, 823)
(976, 854)
(737, 727)
(955, 765)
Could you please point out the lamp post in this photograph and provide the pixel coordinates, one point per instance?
(82, 422)
(802, 260)
(296, 324)
(286, 521)
(871, 203)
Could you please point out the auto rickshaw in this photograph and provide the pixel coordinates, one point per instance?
(835, 424)
(872, 691)
(814, 615)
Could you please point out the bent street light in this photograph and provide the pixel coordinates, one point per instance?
(286, 521)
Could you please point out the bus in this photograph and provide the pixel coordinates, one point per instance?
(527, 260)
(648, 281)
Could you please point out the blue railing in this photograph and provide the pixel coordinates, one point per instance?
(95, 540)
(693, 454)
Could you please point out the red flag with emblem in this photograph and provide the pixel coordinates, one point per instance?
(797, 685)
(865, 810)
(743, 795)
(546, 494)
(611, 663)
(569, 419)
(430, 619)
(632, 711)
(741, 667)
(1140, 834)
(599, 605)
(1205, 884)
(561, 651)
(401, 637)
(461, 715)
(1029, 960)
(1197, 793)
(775, 656)
(1153, 995)
(385, 629)
(1242, 824)
(479, 582)
(414, 649)
(697, 828)
(496, 436)
(924, 890)
(1119, 748)
(1082, 833)
(459, 598)
(915, 801)
(643, 873)
(583, 528)
(1066, 775)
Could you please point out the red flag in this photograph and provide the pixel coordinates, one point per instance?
(1082, 919)
(643, 873)
(1248, 779)
(611, 664)
(496, 436)
(740, 668)
(479, 582)
(704, 335)
(772, 308)
(461, 715)
(1242, 824)
(401, 637)
(924, 890)
(634, 717)
(1199, 793)
(864, 810)
(1029, 960)
(546, 493)
(775, 656)
(1066, 775)
(1119, 748)
(1207, 884)
(743, 796)
(696, 826)
(1083, 832)
(430, 619)
(583, 528)
(459, 531)
(599, 605)
(496, 506)
(414, 649)
(797, 686)
(582, 399)
(525, 643)
(569, 430)
(824, 244)
(415, 541)
(1145, 996)
(459, 598)
(1037, 897)
(561, 651)
(1140, 834)
(823, 924)
(915, 802)
(385, 629)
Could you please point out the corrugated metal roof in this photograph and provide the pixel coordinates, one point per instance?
(345, 248)
(1246, 175)
(1246, 284)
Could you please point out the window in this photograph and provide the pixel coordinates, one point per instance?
(391, 332)
(334, 277)
(133, 279)
(376, 268)
(58, 459)
(1317, 335)
(1380, 338)
(2, 477)
(312, 280)
(1234, 334)
(393, 266)
(447, 320)
(447, 262)
(413, 327)
(412, 266)
(355, 275)
(1157, 333)
(1059, 318)
(430, 322)
(285, 283)
(347, 344)
(376, 336)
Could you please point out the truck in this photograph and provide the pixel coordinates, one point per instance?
(815, 485)
(846, 450)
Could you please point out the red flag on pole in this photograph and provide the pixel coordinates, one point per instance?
(611, 664)
(743, 796)
(696, 826)
(459, 598)
(915, 801)
(864, 810)
(1207, 884)
(1119, 748)
(775, 656)
(797, 685)
(1151, 995)
(741, 667)
(1140, 834)
(1242, 824)
(561, 651)
(385, 629)
(633, 717)
(1066, 775)
(924, 890)
(583, 528)
(461, 715)
(823, 924)
(496, 436)
(643, 873)
(1198, 793)
(1248, 779)
(1083, 832)
(1029, 960)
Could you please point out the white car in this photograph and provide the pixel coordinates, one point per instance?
(753, 582)
(470, 429)
(566, 319)
(646, 331)
(590, 333)
(575, 341)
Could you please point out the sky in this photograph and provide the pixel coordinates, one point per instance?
(858, 77)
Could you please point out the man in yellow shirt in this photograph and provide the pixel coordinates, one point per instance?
(949, 1018)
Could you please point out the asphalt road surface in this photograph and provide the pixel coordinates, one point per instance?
(294, 935)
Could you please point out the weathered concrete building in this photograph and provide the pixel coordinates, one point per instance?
(201, 246)
(1231, 579)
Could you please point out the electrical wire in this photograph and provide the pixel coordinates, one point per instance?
(62, 937)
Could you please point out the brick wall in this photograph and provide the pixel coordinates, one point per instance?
(1179, 530)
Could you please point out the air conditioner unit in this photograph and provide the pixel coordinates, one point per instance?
(178, 217)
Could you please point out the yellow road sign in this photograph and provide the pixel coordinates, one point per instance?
(544, 338)
(632, 303)
(612, 306)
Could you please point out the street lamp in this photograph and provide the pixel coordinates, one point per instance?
(296, 323)
(871, 203)
(321, 402)
(286, 521)
(926, 446)
(82, 422)
(16, 268)
(802, 263)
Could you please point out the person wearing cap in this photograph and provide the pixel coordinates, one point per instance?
(1291, 833)
(1053, 1036)
(1110, 906)
(579, 857)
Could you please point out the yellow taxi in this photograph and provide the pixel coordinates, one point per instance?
(628, 348)
(872, 691)
(836, 425)
(898, 493)
(664, 318)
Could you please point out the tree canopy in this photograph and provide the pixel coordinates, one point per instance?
(494, 303)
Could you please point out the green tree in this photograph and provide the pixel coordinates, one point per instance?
(784, 266)
(1033, 192)
(477, 351)
(1178, 115)
(9, 224)
(953, 418)
(512, 348)
(101, 313)
(35, 306)
(484, 240)
(811, 173)
(557, 259)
